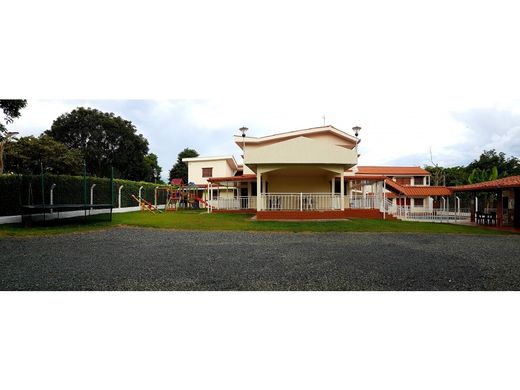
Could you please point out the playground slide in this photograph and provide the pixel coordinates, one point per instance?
(146, 205)
(200, 200)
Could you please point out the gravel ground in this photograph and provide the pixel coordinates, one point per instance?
(150, 259)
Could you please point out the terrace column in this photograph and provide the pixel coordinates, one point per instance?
(342, 189)
(500, 211)
(472, 209)
(258, 191)
(516, 215)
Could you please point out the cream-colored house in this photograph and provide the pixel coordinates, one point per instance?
(200, 169)
(310, 173)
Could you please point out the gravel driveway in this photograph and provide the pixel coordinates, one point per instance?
(150, 259)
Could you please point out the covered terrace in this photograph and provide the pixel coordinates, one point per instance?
(494, 202)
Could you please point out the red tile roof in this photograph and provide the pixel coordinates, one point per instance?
(177, 182)
(366, 177)
(418, 190)
(506, 182)
(395, 186)
(428, 191)
(390, 171)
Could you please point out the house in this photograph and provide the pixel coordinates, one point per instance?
(307, 174)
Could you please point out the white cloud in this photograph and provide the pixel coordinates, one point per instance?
(39, 115)
(398, 69)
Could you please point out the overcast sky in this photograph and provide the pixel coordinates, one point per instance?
(416, 76)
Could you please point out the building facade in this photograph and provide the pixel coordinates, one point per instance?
(309, 173)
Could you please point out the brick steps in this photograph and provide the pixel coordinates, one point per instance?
(368, 214)
(300, 215)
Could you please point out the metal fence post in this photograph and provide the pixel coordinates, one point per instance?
(92, 195)
(51, 196)
(140, 190)
(119, 196)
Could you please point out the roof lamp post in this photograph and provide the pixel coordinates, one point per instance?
(356, 129)
(243, 130)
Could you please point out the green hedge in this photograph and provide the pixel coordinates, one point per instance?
(16, 190)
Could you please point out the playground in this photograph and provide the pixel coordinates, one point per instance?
(49, 200)
(178, 196)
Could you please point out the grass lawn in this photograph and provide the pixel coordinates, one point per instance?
(198, 220)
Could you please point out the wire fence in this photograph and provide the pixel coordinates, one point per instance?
(47, 189)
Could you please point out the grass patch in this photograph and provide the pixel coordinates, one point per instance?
(198, 220)
(17, 230)
(58, 226)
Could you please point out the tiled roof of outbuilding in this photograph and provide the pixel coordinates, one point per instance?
(506, 182)
(418, 190)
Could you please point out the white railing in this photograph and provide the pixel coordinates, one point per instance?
(387, 206)
(443, 215)
(236, 203)
(300, 201)
(363, 201)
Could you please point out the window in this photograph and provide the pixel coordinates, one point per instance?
(418, 180)
(418, 202)
(207, 172)
(403, 180)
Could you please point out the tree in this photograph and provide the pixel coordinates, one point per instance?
(153, 173)
(455, 176)
(438, 175)
(24, 156)
(11, 109)
(180, 169)
(492, 165)
(104, 140)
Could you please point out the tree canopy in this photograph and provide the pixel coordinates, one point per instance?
(104, 140)
(180, 169)
(153, 173)
(490, 166)
(24, 156)
(11, 109)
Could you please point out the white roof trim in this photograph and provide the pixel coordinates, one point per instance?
(295, 133)
(230, 159)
